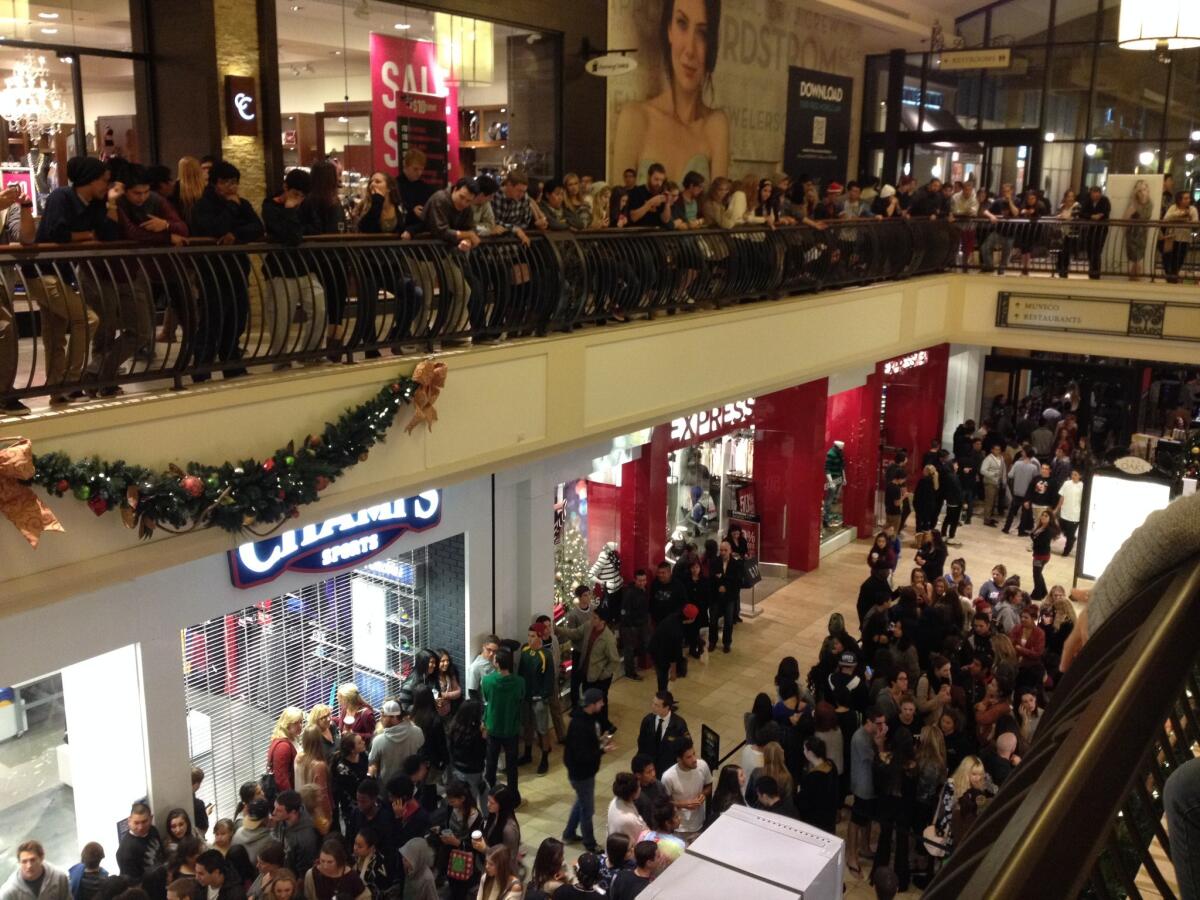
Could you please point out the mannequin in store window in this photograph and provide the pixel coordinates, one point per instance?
(607, 571)
(835, 481)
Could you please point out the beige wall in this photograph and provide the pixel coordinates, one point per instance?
(515, 403)
(237, 54)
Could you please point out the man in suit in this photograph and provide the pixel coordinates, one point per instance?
(661, 730)
(726, 597)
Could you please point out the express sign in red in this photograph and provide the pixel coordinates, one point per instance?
(412, 107)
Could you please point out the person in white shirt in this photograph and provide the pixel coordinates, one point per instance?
(992, 470)
(1070, 504)
(689, 785)
(623, 815)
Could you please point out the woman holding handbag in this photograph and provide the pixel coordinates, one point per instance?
(462, 865)
(281, 752)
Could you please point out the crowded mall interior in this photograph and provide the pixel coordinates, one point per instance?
(644, 448)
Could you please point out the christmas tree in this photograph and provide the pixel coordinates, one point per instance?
(570, 565)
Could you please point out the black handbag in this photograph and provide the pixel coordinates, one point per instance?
(751, 574)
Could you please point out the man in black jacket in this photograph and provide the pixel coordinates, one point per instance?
(666, 645)
(141, 848)
(661, 730)
(213, 874)
(635, 622)
(584, 749)
(727, 597)
(873, 591)
(1095, 209)
(288, 222)
(667, 595)
(968, 476)
(952, 493)
(224, 306)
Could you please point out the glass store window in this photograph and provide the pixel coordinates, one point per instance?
(1130, 91)
(1012, 97)
(498, 83)
(1020, 22)
(1069, 90)
(1074, 20)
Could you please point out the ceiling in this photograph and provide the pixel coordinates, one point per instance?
(898, 24)
(85, 23)
(312, 43)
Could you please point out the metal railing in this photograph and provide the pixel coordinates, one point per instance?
(1138, 249)
(1079, 815)
(91, 318)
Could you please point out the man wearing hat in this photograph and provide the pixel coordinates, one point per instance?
(831, 206)
(399, 740)
(586, 745)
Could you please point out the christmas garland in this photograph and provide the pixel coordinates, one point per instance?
(236, 496)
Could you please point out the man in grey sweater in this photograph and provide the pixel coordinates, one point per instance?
(1024, 470)
(35, 879)
(399, 740)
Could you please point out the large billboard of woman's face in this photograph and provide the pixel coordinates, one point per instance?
(710, 91)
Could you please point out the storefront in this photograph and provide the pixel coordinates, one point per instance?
(362, 87)
(206, 655)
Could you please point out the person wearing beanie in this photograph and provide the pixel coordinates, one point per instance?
(289, 278)
(887, 204)
(224, 307)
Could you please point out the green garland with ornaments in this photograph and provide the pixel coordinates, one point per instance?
(233, 496)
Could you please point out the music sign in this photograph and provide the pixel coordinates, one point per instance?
(338, 543)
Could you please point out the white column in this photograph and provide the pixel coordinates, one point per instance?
(168, 765)
(102, 697)
(964, 388)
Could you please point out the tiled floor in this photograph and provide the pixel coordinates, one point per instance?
(792, 623)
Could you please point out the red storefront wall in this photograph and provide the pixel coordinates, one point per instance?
(916, 401)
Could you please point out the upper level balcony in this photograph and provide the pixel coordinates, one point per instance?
(553, 346)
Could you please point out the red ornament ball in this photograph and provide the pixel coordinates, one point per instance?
(269, 465)
(282, 493)
(98, 505)
(192, 485)
(62, 486)
(322, 482)
(395, 387)
(293, 513)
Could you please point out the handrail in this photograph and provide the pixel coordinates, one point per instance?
(223, 308)
(1099, 759)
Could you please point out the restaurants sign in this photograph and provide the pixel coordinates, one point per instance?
(337, 543)
(990, 58)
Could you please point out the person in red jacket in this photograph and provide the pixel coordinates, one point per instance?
(1030, 644)
(281, 753)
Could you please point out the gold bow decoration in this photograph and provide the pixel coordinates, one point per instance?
(17, 500)
(431, 376)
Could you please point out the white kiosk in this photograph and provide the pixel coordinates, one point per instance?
(751, 853)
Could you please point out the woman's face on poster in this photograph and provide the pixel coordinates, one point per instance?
(688, 37)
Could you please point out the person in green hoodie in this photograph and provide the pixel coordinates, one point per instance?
(502, 693)
(536, 668)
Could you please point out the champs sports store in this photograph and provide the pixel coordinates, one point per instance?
(350, 599)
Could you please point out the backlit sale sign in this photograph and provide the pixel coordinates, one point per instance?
(412, 107)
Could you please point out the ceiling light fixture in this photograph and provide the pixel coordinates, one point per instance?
(1050, 136)
(1089, 149)
(1146, 157)
(402, 26)
(1195, 135)
(49, 31)
(48, 15)
(1161, 26)
(29, 101)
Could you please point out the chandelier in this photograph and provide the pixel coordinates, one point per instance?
(30, 102)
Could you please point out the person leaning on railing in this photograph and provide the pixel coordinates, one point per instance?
(224, 304)
(289, 279)
(84, 210)
(18, 229)
(449, 218)
(1177, 240)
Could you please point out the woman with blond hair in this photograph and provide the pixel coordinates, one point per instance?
(500, 881)
(320, 717)
(355, 715)
(962, 798)
(283, 886)
(281, 752)
(773, 764)
(312, 769)
(1140, 208)
(189, 187)
(1058, 621)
